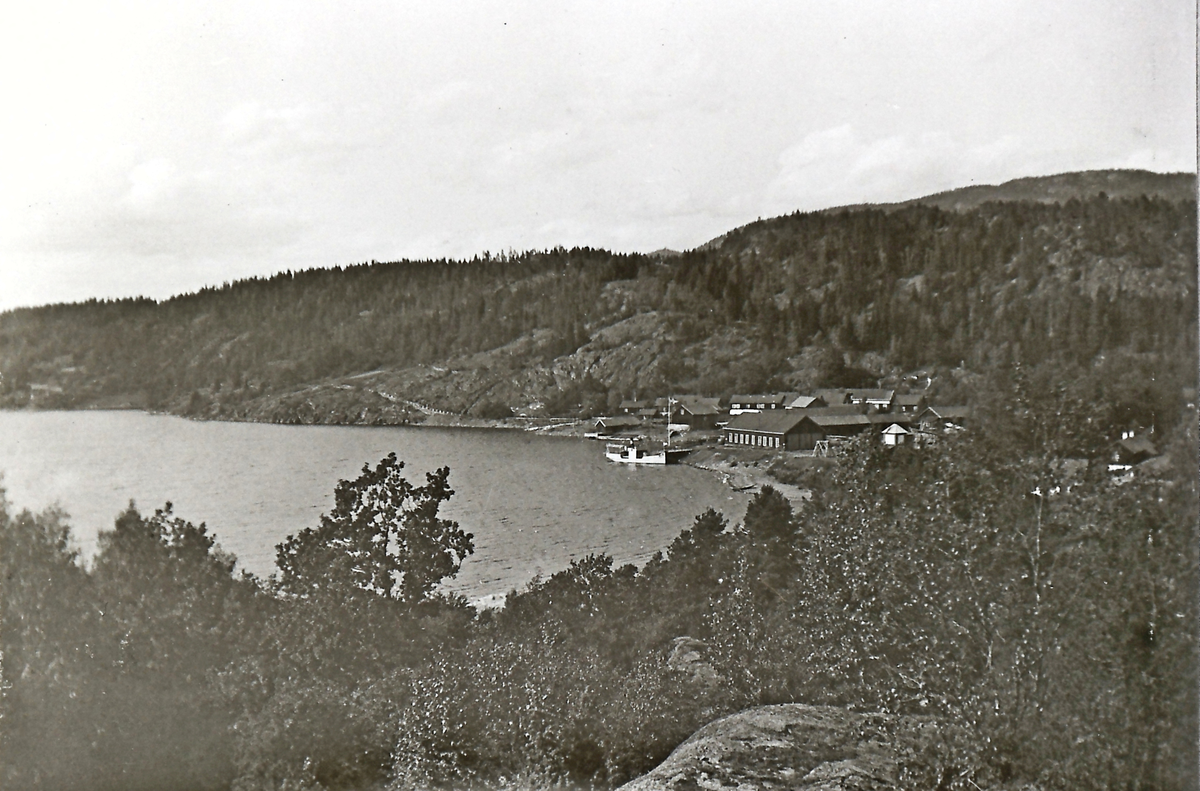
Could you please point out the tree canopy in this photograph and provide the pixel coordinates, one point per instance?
(384, 537)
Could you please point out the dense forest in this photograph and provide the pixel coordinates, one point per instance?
(853, 296)
(1043, 615)
(1000, 582)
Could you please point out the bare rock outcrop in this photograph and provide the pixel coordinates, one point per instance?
(789, 746)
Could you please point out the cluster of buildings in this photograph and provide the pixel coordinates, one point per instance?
(792, 421)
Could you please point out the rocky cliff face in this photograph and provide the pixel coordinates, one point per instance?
(791, 746)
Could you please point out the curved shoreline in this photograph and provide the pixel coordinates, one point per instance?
(750, 478)
(745, 476)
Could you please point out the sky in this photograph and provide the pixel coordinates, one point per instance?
(157, 148)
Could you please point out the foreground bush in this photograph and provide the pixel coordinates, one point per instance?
(1044, 614)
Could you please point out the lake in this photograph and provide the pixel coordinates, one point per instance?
(533, 502)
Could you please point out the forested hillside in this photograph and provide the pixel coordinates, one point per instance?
(824, 298)
(1000, 584)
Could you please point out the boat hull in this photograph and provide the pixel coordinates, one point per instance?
(633, 456)
(629, 454)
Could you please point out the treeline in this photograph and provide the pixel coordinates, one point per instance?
(1044, 614)
(914, 287)
(260, 335)
(1003, 283)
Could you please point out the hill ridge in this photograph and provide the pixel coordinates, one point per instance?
(1056, 187)
(802, 300)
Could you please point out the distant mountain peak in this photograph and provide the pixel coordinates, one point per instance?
(1057, 188)
(1062, 187)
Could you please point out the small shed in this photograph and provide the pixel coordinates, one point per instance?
(896, 434)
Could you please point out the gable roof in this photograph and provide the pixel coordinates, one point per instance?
(1138, 445)
(947, 412)
(698, 408)
(761, 398)
(872, 393)
(620, 421)
(845, 415)
(883, 418)
(696, 400)
(841, 409)
(909, 399)
(804, 402)
(774, 422)
(832, 396)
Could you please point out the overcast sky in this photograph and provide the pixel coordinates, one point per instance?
(155, 148)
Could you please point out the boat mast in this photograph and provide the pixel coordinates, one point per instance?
(670, 404)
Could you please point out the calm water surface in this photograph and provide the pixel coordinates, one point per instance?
(533, 503)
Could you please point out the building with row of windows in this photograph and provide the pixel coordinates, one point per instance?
(804, 429)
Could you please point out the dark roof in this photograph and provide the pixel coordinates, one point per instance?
(617, 422)
(846, 415)
(834, 396)
(696, 401)
(761, 398)
(875, 394)
(887, 418)
(909, 399)
(841, 409)
(1138, 445)
(1155, 465)
(774, 422)
(699, 409)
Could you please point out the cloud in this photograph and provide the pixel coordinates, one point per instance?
(319, 133)
(253, 192)
(164, 211)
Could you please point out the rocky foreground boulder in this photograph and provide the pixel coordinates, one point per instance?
(791, 746)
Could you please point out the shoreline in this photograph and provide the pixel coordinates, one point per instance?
(741, 476)
(732, 469)
(745, 475)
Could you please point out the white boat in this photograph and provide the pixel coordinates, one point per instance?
(633, 451)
